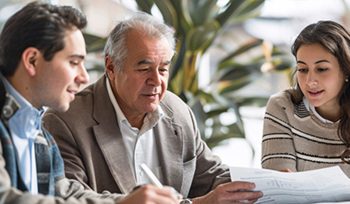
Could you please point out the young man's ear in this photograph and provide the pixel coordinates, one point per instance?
(30, 59)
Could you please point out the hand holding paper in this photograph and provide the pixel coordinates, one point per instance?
(322, 185)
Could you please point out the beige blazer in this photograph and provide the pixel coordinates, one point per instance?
(92, 147)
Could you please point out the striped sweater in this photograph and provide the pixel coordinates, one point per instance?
(295, 138)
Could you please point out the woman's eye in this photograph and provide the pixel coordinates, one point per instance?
(302, 70)
(322, 69)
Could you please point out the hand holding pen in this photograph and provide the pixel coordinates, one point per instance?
(150, 194)
(155, 193)
(156, 182)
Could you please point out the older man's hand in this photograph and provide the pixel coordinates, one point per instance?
(233, 192)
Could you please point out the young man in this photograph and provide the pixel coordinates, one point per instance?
(42, 52)
(128, 118)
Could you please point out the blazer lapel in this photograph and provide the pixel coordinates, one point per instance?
(108, 137)
(169, 142)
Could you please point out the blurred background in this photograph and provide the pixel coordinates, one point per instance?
(231, 56)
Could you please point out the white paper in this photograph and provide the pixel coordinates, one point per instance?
(322, 185)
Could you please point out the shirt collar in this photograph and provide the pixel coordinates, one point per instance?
(150, 120)
(28, 117)
(313, 110)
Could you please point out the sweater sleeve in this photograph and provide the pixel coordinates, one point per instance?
(278, 151)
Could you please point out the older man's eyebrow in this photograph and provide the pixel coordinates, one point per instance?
(148, 62)
(142, 62)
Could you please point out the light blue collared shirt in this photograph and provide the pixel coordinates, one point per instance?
(24, 126)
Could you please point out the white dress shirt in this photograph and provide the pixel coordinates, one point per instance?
(140, 144)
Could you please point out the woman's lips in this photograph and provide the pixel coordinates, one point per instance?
(315, 93)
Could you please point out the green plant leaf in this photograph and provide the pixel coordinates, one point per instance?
(145, 5)
(230, 8)
(249, 6)
(233, 131)
(253, 43)
(94, 43)
(239, 10)
(251, 101)
(217, 111)
(198, 8)
(168, 12)
(200, 38)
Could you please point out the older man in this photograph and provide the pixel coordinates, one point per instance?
(128, 118)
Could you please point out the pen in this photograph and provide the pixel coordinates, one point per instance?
(154, 179)
(150, 175)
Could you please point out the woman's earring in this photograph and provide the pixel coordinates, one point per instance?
(346, 80)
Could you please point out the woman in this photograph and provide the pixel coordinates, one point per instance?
(308, 126)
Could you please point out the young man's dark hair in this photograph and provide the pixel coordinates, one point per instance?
(38, 25)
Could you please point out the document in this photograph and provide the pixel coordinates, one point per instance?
(314, 186)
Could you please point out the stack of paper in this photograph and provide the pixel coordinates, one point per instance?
(322, 185)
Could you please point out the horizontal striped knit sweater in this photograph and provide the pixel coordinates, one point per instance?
(295, 138)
